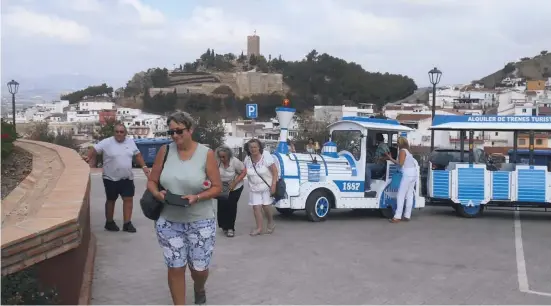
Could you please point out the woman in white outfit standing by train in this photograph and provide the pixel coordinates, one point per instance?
(410, 174)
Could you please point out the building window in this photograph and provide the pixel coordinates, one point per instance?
(539, 142)
(497, 133)
(522, 142)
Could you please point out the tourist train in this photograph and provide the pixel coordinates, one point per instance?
(335, 179)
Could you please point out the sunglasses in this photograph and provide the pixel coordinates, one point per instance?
(120, 132)
(177, 131)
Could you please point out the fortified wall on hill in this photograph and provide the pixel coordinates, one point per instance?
(243, 84)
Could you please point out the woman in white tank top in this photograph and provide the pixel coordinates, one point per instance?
(410, 173)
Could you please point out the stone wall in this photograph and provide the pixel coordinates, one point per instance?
(243, 84)
(254, 83)
(46, 222)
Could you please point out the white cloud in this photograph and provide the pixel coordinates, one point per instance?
(331, 22)
(213, 26)
(466, 39)
(30, 23)
(147, 14)
(83, 5)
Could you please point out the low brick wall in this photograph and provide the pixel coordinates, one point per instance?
(46, 221)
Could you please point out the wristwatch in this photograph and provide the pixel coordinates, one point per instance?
(198, 197)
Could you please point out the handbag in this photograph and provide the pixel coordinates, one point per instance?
(151, 206)
(225, 194)
(281, 187)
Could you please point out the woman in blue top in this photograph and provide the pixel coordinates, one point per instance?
(186, 233)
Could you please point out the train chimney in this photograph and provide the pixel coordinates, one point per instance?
(284, 116)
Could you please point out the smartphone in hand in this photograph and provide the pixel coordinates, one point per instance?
(175, 199)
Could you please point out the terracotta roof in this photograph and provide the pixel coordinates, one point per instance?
(412, 117)
(402, 107)
(451, 111)
(544, 110)
(500, 150)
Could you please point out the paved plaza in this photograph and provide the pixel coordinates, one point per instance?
(352, 258)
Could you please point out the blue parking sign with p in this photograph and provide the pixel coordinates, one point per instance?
(252, 111)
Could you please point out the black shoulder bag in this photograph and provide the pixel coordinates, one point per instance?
(280, 190)
(151, 206)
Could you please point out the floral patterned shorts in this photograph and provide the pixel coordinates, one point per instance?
(187, 243)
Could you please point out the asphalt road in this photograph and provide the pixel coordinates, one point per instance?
(352, 258)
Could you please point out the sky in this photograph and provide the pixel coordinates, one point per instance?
(113, 39)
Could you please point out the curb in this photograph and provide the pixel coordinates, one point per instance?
(88, 275)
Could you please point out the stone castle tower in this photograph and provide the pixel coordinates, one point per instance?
(253, 45)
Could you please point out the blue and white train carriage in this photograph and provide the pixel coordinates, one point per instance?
(469, 187)
(318, 183)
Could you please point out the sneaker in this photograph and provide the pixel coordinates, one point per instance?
(230, 233)
(111, 226)
(128, 227)
(200, 298)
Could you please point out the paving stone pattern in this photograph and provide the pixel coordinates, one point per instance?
(350, 259)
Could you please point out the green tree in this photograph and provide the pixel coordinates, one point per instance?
(312, 56)
(91, 91)
(229, 57)
(309, 127)
(241, 58)
(105, 130)
(159, 77)
(41, 132)
(190, 67)
(209, 131)
(510, 67)
(222, 64)
(252, 60)
(262, 64)
(205, 56)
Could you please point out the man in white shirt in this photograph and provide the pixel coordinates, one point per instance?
(118, 179)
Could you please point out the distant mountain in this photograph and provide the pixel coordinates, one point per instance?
(52, 86)
(530, 68)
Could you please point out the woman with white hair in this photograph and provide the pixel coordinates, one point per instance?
(232, 173)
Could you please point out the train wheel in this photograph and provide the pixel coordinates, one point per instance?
(469, 211)
(285, 211)
(318, 206)
(387, 213)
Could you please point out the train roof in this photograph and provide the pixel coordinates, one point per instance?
(148, 141)
(373, 124)
(491, 123)
(526, 152)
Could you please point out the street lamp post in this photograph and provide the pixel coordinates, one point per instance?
(13, 87)
(434, 77)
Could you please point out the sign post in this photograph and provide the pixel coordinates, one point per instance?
(251, 111)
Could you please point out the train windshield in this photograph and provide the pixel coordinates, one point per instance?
(350, 140)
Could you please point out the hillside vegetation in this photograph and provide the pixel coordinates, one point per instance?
(535, 68)
(90, 91)
(318, 79)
